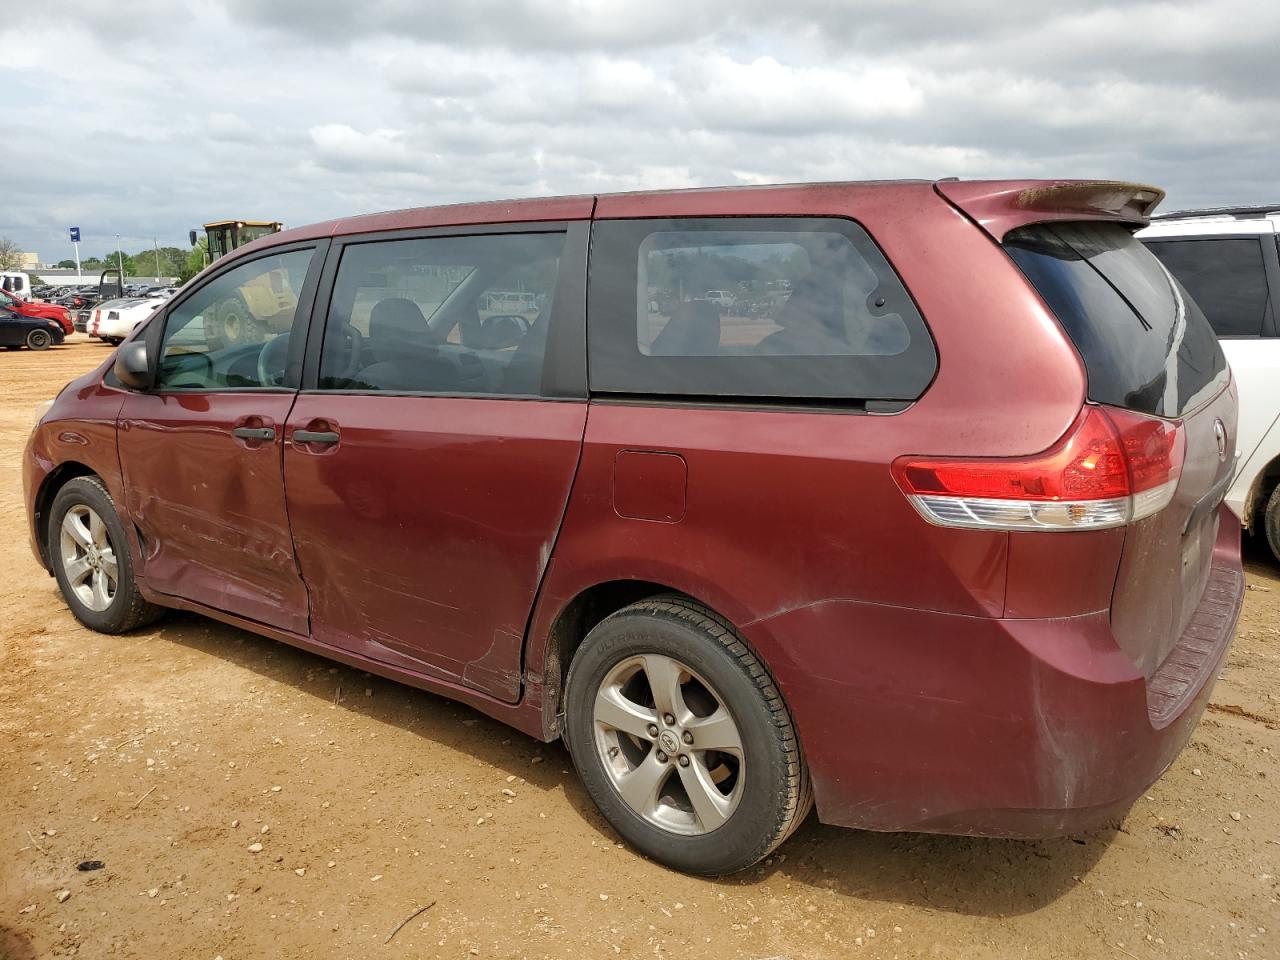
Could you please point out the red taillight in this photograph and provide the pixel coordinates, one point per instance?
(1111, 468)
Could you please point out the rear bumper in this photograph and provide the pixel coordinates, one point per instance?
(915, 720)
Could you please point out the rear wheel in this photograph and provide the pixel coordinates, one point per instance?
(1271, 522)
(39, 339)
(91, 560)
(682, 738)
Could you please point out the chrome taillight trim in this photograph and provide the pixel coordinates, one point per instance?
(982, 513)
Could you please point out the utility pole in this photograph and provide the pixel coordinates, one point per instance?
(120, 262)
(156, 244)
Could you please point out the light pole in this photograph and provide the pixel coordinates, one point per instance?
(156, 243)
(120, 262)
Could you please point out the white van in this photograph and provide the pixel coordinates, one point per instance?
(1229, 261)
(19, 284)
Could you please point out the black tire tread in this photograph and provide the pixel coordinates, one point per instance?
(139, 613)
(1271, 522)
(795, 791)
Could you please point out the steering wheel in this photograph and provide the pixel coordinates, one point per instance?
(273, 358)
(355, 343)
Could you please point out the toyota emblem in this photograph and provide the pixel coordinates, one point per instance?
(1220, 434)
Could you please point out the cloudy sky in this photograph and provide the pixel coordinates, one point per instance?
(151, 117)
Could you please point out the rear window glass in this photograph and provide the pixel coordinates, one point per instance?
(751, 308)
(1226, 277)
(1146, 345)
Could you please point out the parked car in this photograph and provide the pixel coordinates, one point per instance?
(83, 299)
(721, 298)
(42, 311)
(1227, 260)
(113, 320)
(36, 333)
(855, 550)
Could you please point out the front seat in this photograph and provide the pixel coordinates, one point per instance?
(404, 350)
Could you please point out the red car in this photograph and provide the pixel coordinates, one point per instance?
(897, 499)
(39, 311)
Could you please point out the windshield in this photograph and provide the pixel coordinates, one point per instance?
(248, 233)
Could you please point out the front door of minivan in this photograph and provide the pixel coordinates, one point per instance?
(201, 450)
(430, 454)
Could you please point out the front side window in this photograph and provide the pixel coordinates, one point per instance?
(234, 332)
(1226, 278)
(442, 315)
(760, 308)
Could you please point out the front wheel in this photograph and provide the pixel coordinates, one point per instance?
(39, 339)
(682, 738)
(91, 560)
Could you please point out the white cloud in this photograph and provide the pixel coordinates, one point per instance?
(302, 110)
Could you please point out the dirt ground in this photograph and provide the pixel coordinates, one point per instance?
(171, 754)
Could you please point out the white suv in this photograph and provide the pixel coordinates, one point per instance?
(1229, 261)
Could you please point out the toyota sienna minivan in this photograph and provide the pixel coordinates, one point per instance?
(920, 524)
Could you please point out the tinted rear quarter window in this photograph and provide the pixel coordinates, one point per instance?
(1145, 343)
(751, 308)
(1227, 278)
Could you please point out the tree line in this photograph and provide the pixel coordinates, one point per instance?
(165, 262)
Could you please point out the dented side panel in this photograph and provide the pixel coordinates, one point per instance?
(424, 533)
(209, 505)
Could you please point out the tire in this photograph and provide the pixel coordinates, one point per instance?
(1271, 522)
(763, 791)
(115, 610)
(39, 339)
(238, 325)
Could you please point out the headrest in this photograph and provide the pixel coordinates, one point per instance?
(397, 326)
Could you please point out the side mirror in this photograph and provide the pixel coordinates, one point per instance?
(131, 366)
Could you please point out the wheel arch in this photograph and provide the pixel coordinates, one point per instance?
(590, 604)
(57, 478)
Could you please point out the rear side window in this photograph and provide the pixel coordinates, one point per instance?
(767, 308)
(1145, 343)
(1226, 278)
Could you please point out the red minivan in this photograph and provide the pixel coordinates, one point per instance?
(897, 499)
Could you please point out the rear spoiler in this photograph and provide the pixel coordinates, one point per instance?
(999, 206)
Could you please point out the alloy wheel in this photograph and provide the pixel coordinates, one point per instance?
(88, 558)
(668, 744)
